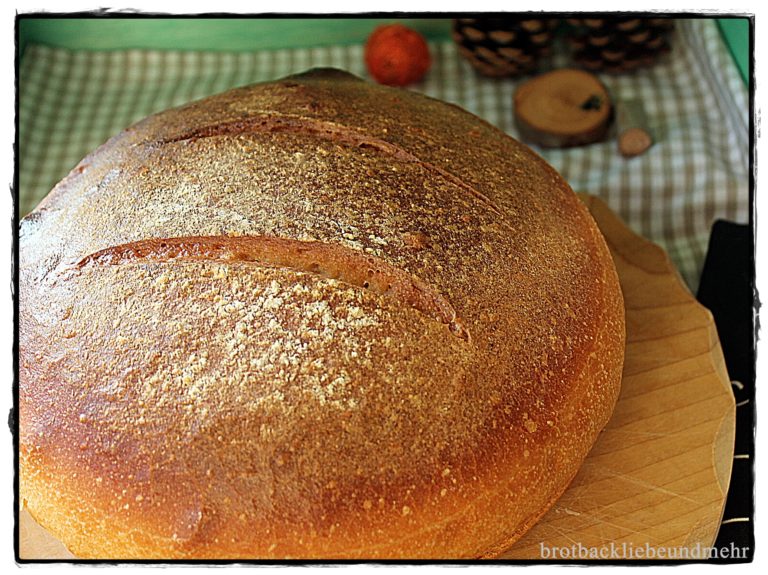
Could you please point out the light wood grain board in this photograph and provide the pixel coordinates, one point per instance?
(659, 472)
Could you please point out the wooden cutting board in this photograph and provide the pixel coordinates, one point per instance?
(659, 472)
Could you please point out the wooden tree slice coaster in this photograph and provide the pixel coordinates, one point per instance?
(563, 108)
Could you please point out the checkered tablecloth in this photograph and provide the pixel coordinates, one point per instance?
(697, 106)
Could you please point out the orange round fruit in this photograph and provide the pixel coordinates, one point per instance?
(396, 55)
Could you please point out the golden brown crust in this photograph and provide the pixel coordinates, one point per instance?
(212, 405)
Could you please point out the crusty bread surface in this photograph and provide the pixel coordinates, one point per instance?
(311, 318)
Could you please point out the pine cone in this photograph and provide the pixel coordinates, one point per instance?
(503, 46)
(618, 45)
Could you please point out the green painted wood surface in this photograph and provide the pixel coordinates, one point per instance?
(736, 34)
(223, 34)
(239, 34)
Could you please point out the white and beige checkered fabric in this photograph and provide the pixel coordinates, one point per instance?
(697, 105)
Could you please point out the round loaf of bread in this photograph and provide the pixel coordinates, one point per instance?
(312, 318)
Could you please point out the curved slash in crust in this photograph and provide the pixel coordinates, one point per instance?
(326, 260)
(272, 122)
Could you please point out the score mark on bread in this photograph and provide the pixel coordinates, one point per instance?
(329, 261)
(272, 122)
